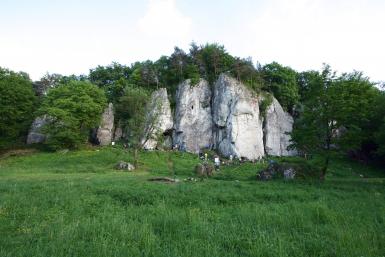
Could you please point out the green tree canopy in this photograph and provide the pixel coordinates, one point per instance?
(282, 82)
(17, 105)
(47, 82)
(73, 109)
(375, 128)
(131, 110)
(211, 60)
(334, 113)
(111, 78)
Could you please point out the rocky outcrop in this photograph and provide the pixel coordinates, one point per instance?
(35, 134)
(193, 120)
(278, 170)
(118, 134)
(278, 124)
(105, 131)
(120, 131)
(205, 169)
(159, 122)
(122, 165)
(237, 123)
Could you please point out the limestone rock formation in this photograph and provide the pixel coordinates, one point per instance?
(205, 169)
(118, 134)
(193, 120)
(278, 124)
(159, 120)
(237, 123)
(105, 131)
(35, 134)
(122, 165)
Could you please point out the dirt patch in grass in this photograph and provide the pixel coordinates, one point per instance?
(17, 152)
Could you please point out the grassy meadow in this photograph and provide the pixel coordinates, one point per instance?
(76, 204)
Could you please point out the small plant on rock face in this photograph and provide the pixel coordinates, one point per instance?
(266, 101)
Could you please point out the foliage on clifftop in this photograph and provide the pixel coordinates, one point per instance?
(120, 82)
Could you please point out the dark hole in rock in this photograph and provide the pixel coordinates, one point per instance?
(168, 132)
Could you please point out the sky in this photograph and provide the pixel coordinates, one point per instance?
(73, 36)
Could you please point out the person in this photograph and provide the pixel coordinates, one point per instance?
(217, 162)
(205, 156)
(231, 158)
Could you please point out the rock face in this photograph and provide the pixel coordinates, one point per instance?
(277, 124)
(118, 132)
(105, 131)
(158, 119)
(277, 170)
(124, 166)
(35, 134)
(205, 169)
(193, 120)
(237, 123)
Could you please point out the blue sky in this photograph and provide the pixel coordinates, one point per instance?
(73, 36)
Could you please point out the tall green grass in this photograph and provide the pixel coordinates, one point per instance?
(76, 204)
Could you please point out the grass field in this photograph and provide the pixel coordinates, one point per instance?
(76, 204)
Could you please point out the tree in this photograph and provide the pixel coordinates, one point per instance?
(211, 60)
(73, 109)
(17, 105)
(131, 111)
(373, 146)
(111, 78)
(47, 82)
(244, 70)
(380, 140)
(282, 82)
(333, 113)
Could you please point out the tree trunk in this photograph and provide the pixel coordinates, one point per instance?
(324, 168)
(328, 142)
(136, 162)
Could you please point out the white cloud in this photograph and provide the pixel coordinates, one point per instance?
(161, 27)
(347, 34)
(164, 20)
(305, 33)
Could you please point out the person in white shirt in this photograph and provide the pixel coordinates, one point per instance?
(217, 162)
